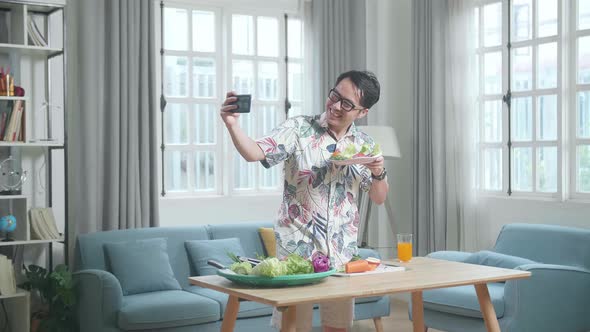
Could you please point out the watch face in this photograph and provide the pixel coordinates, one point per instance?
(380, 176)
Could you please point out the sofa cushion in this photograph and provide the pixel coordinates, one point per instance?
(247, 308)
(90, 253)
(496, 259)
(200, 251)
(141, 265)
(269, 240)
(247, 232)
(462, 300)
(166, 309)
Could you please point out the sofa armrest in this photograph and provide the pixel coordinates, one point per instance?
(552, 299)
(366, 252)
(456, 256)
(99, 300)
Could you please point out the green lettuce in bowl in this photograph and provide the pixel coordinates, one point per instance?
(351, 151)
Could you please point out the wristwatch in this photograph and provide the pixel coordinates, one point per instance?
(380, 176)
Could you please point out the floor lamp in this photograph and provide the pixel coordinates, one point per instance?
(385, 136)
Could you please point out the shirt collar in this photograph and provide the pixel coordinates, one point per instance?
(323, 121)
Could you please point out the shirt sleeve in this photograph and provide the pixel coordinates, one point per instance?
(280, 143)
(366, 179)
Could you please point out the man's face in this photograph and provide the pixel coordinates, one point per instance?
(338, 118)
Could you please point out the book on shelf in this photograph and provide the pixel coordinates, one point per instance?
(4, 31)
(3, 118)
(7, 276)
(6, 112)
(36, 37)
(43, 226)
(12, 129)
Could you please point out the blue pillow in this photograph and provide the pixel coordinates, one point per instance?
(491, 258)
(200, 251)
(141, 265)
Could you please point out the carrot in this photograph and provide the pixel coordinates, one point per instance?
(360, 265)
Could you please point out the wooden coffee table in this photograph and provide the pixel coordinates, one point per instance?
(421, 274)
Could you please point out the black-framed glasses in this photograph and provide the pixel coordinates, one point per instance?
(345, 104)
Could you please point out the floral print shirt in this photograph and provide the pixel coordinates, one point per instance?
(318, 213)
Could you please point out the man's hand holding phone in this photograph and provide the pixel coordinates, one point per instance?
(233, 105)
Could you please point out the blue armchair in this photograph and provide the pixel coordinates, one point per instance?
(555, 299)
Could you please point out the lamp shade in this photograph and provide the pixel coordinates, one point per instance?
(385, 136)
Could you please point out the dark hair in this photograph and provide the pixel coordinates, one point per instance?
(367, 84)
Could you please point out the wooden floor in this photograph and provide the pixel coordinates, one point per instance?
(398, 321)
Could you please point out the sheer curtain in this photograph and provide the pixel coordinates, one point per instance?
(444, 115)
(461, 80)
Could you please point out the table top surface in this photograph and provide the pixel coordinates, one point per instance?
(421, 274)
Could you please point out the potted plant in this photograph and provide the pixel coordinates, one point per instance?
(56, 292)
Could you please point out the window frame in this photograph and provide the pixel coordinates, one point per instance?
(256, 59)
(223, 148)
(565, 168)
(482, 97)
(190, 102)
(575, 35)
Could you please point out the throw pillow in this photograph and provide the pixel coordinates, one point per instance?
(141, 266)
(200, 251)
(269, 241)
(491, 258)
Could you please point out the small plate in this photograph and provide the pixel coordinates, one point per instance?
(359, 160)
(282, 281)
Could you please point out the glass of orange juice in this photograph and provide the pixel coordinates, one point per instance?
(404, 247)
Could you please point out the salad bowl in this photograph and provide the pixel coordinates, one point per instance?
(280, 281)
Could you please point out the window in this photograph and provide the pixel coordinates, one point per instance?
(206, 52)
(521, 97)
(581, 166)
(491, 122)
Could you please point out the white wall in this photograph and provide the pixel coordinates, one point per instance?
(218, 210)
(493, 213)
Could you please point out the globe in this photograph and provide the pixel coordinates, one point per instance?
(8, 223)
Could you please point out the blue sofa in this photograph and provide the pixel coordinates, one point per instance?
(103, 307)
(556, 298)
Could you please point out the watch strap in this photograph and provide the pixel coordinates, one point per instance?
(380, 176)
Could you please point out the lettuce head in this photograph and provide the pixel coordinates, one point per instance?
(298, 265)
(270, 267)
(241, 267)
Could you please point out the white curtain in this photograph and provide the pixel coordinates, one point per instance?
(461, 79)
(112, 158)
(444, 116)
(336, 42)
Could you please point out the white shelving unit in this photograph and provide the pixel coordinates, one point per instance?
(41, 149)
(18, 308)
(30, 50)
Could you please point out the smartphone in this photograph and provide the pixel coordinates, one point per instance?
(243, 103)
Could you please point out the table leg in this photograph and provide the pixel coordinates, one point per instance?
(418, 311)
(378, 324)
(289, 320)
(231, 314)
(487, 309)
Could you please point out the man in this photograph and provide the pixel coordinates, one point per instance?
(319, 213)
